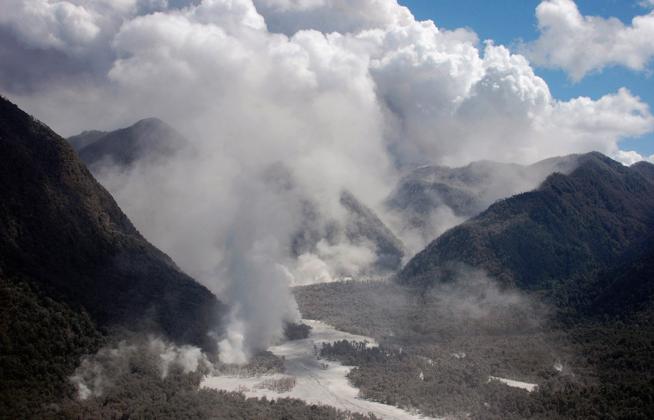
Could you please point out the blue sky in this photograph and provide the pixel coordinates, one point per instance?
(509, 21)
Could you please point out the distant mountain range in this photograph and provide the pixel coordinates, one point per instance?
(63, 233)
(421, 196)
(148, 139)
(566, 233)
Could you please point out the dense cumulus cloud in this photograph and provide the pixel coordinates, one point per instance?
(436, 95)
(291, 16)
(346, 94)
(582, 44)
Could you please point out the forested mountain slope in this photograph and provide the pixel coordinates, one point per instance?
(61, 231)
(572, 225)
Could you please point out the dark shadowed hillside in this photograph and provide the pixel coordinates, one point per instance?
(61, 231)
(627, 288)
(41, 342)
(573, 225)
(148, 139)
(646, 169)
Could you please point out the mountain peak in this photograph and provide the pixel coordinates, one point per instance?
(147, 139)
(149, 121)
(598, 158)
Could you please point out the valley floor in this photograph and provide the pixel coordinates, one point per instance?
(316, 381)
(486, 353)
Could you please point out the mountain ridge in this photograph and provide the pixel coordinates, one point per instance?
(430, 199)
(569, 225)
(64, 232)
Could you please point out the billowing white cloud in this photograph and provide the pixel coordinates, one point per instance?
(345, 94)
(248, 99)
(51, 24)
(431, 94)
(630, 157)
(453, 104)
(290, 16)
(71, 26)
(582, 44)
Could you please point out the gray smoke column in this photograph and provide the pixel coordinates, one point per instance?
(258, 282)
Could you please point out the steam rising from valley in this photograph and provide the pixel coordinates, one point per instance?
(288, 106)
